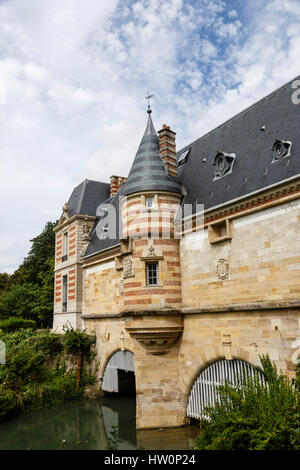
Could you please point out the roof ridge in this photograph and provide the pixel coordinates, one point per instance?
(96, 181)
(235, 116)
(82, 194)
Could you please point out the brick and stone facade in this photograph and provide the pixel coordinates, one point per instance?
(228, 286)
(69, 265)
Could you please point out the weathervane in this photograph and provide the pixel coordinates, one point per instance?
(148, 97)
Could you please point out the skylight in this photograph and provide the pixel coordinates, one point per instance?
(183, 157)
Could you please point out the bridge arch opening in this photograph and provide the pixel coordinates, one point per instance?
(119, 375)
(204, 390)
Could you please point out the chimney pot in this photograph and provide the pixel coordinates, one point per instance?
(168, 149)
(116, 182)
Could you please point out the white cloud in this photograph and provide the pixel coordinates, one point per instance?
(232, 14)
(73, 77)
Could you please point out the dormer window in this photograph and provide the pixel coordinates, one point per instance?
(223, 163)
(149, 202)
(281, 149)
(183, 157)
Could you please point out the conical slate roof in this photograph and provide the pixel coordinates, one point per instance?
(148, 172)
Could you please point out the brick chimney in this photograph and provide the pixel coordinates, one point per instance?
(168, 149)
(115, 184)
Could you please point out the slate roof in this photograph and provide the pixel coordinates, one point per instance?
(148, 171)
(242, 135)
(86, 197)
(96, 244)
(253, 169)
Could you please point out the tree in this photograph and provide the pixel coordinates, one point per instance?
(78, 343)
(28, 292)
(4, 282)
(45, 293)
(36, 263)
(19, 301)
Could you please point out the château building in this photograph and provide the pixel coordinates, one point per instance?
(188, 269)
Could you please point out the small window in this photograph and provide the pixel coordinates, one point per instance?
(149, 202)
(65, 246)
(183, 157)
(152, 273)
(65, 293)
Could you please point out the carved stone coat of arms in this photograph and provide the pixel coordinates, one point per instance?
(223, 269)
(128, 270)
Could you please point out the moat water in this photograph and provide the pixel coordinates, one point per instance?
(89, 425)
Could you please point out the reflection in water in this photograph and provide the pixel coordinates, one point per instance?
(86, 424)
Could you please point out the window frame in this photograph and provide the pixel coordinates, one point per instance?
(148, 198)
(153, 274)
(65, 293)
(65, 246)
(183, 157)
(154, 206)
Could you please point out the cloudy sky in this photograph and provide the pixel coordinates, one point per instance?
(74, 76)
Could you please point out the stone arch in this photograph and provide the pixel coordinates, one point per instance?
(118, 373)
(203, 390)
(207, 358)
(106, 358)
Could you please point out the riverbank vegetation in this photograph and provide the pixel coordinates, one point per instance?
(253, 416)
(42, 369)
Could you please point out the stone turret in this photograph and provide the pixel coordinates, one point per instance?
(148, 171)
(150, 200)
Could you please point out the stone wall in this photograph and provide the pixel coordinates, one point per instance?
(262, 261)
(164, 381)
(260, 270)
(101, 289)
(241, 335)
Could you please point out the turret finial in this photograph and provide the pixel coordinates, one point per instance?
(148, 97)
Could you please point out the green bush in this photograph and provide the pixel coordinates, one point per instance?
(24, 364)
(77, 341)
(252, 416)
(8, 403)
(57, 389)
(16, 337)
(16, 323)
(49, 343)
(35, 374)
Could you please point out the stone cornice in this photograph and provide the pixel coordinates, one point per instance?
(247, 306)
(98, 257)
(261, 200)
(72, 219)
(131, 313)
(229, 308)
(66, 265)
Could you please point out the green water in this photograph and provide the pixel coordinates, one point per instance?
(87, 424)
